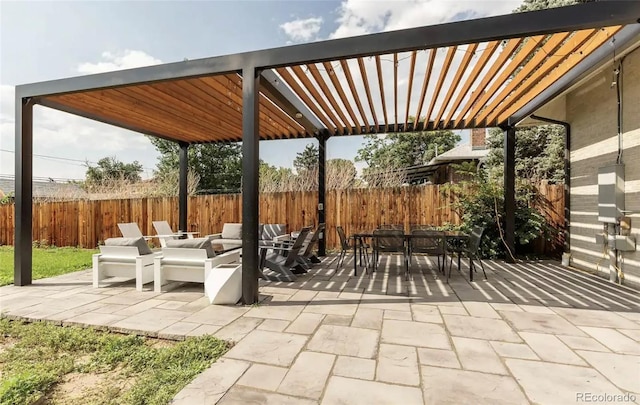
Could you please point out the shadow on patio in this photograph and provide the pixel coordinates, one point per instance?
(533, 332)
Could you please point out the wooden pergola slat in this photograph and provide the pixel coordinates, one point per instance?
(270, 112)
(534, 63)
(469, 52)
(199, 96)
(395, 91)
(97, 104)
(412, 68)
(488, 51)
(354, 93)
(286, 76)
(443, 73)
(338, 86)
(234, 84)
(365, 81)
(327, 93)
(535, 69)
(565, 67)
(425, 84)
(506, 53)
(229, 85)
(527, 50)
(382, 98)
(137, 96)
(126, 99)
(209, 86)
(337, 125)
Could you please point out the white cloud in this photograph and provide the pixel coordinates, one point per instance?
(359, 17)
(124, 60)
(302, 30)
(59, 134)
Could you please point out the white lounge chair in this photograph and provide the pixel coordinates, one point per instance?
(190, 260)
(164, 232)
(130, 230)
(124, 257)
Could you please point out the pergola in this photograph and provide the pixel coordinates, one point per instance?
(478, 73)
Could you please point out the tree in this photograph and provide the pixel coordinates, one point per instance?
(110, 169)
(307, 159)
(341, 174)
(276, 179)
(388, 156)
(533, 5)
(539, 150)
(539, 153)
(402, 150)
(218, 166)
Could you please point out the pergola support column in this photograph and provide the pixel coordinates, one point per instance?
(322, 185)
(182, 193)
(510, 191)
(22, 260)
(250, 182)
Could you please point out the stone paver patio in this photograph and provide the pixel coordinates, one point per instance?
(534, 332)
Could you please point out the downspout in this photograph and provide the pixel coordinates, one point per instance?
(567, 176)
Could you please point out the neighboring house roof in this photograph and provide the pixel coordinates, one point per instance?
(43, 189)
(462, 152)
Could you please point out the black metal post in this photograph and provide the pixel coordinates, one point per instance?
(510, 192)
(322, 186)
(182, 192)
(22, 260)
(250, 165)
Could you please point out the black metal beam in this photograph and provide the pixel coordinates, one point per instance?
(182, 193)
(289, 102)
(250, 177)
(560, 19)
(510, 192)
(322, 186)
(22, 259)
(567, 177)
(627, 36)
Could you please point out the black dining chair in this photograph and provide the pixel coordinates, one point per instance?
(346, 246)
(429, 242)
(470, 250)
(389, 241)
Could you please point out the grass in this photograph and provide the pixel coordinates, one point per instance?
(47, 262)
(38, 360)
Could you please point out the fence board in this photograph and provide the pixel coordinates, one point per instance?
(88, 223)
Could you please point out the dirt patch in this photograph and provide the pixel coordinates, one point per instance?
(160, 343)
(89, 388)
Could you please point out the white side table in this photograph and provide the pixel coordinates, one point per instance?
(223, 283)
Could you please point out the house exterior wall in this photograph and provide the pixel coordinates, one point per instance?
(591, 110)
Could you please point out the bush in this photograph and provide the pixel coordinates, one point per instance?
(480, 202)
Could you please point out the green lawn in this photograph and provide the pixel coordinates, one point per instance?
(47, 262)
(45, 363)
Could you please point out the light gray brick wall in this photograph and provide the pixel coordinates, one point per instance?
(592, 113)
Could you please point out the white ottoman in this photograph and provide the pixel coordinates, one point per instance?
(223, 284)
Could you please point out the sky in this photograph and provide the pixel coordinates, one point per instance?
(50, 40)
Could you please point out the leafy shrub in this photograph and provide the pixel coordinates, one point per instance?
(480, 202)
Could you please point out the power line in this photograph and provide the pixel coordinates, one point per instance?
(66, 159)
(56, 179)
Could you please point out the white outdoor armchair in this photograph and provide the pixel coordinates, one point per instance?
(190, 260)
(124, 257)
(164, 232)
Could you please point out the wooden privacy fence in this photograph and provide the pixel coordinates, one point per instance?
(87, 223)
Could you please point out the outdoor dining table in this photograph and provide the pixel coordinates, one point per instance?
(453, 240)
